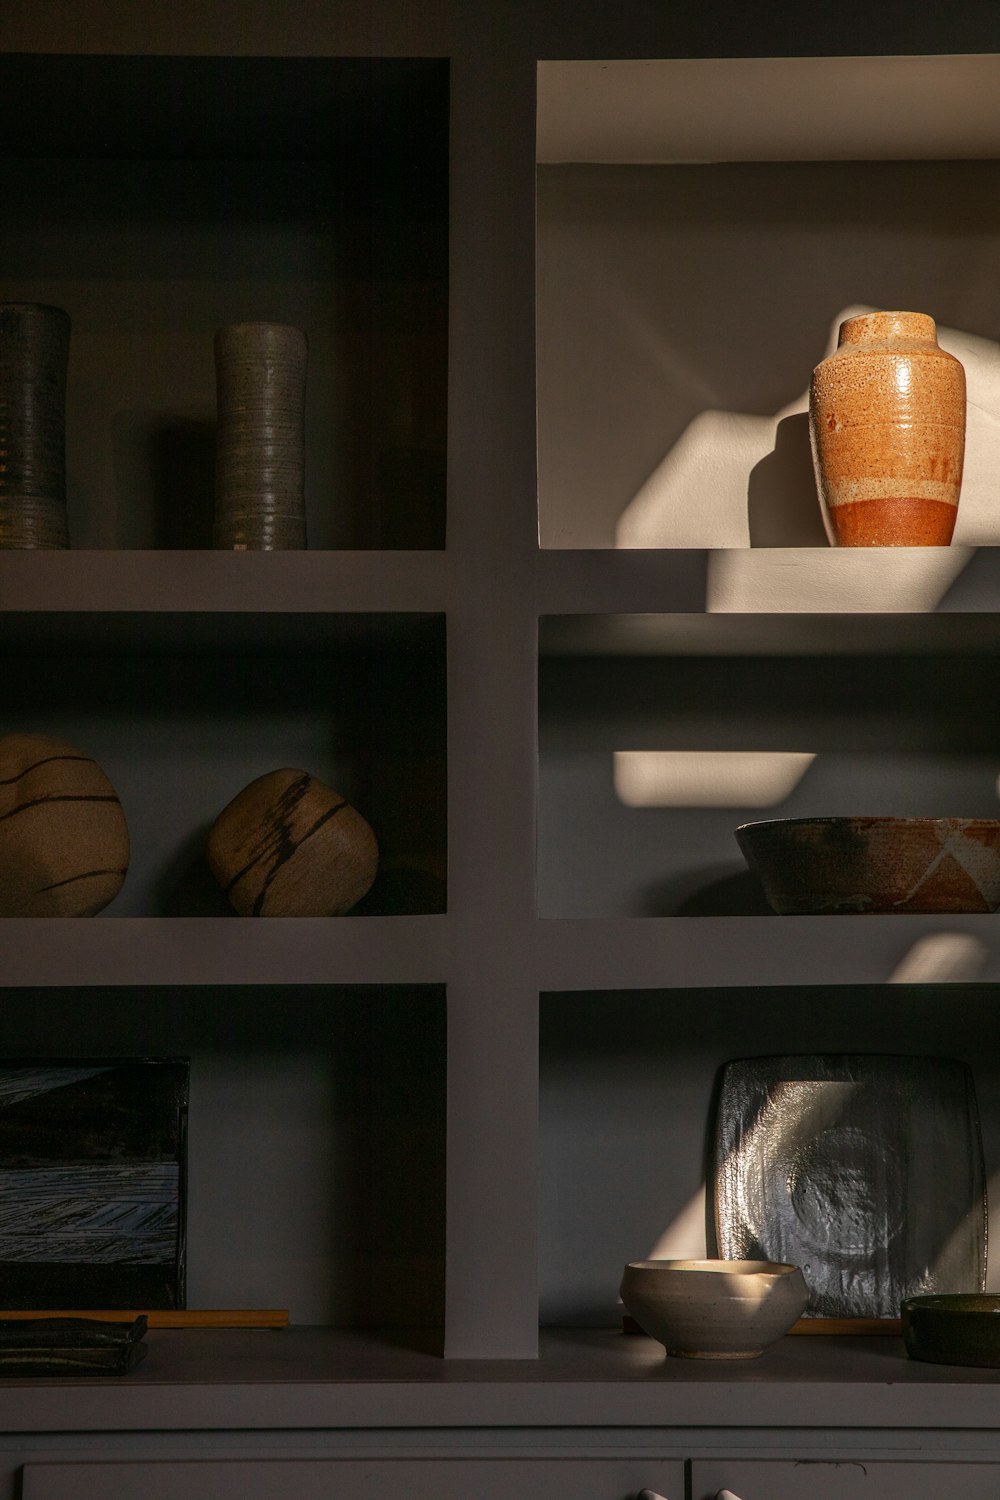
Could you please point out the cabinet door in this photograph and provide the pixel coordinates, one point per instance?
(788, 1479)
(414, 1478)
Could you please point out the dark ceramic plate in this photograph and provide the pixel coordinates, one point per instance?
(858, 865)
(962, 1328)
(865, 1171)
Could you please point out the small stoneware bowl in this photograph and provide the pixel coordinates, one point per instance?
(856, 865)
(953, 1328)
(714, 1309)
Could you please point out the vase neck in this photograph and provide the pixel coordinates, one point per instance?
(882, 326)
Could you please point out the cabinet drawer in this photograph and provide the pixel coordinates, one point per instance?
(355, 1479)
(788, 1479)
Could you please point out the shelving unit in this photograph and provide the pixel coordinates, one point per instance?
(456, 1113)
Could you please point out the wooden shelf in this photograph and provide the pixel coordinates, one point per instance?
(178, 583)
(219, 951)
(875, 583)
(312, 1377)
(680, 952)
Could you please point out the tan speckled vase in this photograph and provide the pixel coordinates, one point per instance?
(887, 426)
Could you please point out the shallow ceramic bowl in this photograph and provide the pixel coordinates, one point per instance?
(953, 1328)
(714, 1309)
(816, 865)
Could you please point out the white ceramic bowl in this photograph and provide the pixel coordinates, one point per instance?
(714, 1309)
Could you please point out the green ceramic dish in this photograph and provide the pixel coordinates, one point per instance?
(953, 1328)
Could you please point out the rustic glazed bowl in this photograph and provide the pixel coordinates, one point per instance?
(877, 865)
(953, 1328)
(714, 1309)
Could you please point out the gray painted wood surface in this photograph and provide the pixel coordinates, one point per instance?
(347, 1479)
(783, 1479)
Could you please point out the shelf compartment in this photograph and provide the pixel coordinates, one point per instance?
(184, 710)
(628, 1088)
(860, 718)
(155, 199)
(692, 270)
(315, 1134)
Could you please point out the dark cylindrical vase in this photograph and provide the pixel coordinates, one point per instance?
(260, 373)
(34, 356)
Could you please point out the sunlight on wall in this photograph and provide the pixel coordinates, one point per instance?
(741, 481)
(707, 778)
(684, 1237)
(941, 957)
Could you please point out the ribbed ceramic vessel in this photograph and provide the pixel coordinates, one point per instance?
(887, 427)
(260, 371)
(875, 865)
(34, 357)
(714, 1309)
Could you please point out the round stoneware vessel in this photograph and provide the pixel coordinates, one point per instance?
(714, 1309)
(64, 843)
(809, 866)
(887, 427)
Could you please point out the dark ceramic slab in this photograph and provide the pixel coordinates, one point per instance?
(865, 1171)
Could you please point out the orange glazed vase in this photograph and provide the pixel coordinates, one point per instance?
(887, 427)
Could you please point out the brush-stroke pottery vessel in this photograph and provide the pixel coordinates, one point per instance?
(287, 845)
(714, 1309)
(887, 428)
(875, 865)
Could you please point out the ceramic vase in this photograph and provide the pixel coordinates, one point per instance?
(34, 356)
(260, 448)
(887, 427)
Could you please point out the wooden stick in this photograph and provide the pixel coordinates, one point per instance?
(161, 1317)
(864, 1326)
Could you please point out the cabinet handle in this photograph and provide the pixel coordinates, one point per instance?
(650, 1495)
(726, 1495)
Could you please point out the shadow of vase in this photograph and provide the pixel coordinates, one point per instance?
(783, 508)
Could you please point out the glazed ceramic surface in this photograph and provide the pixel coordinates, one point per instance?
(260, 453)
(887, 426)
(714, 1309)
(962, 1328)
(64, 844)
(875, 865)
(866, 1171)
(34, 355)
(289, 846)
